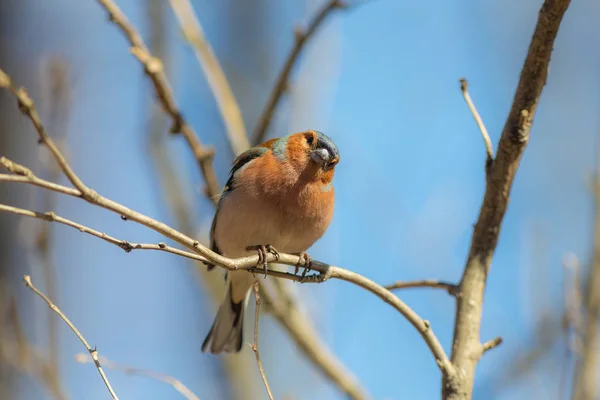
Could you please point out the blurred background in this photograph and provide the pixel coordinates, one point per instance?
(380, 78)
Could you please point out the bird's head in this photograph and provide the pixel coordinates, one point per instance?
(311, 149)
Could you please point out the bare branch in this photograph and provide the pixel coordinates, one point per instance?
(228, 105)
(176, 383)
(511, 146)
(300, 39)
(154, 70)
(489, 149)
(93, 352)
(451, 288)
(255, 345)
(123, 244)
(491, 344)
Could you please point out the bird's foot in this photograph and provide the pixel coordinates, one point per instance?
(263, 251)
(304, 262)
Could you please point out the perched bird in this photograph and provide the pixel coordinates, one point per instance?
(279, 196)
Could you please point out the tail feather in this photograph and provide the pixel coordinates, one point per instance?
(226, 334)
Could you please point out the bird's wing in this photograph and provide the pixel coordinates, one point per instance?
(239, 162)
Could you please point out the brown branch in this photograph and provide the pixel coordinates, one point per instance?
(228, 105)
(281, 84)
(250, 262)
(451, 288)
(123, 244)
(174, 382)
(491, 344)
(255, 345)
(283, 308)
(93, 352)
(153, 68)
(513, 141)
(489, 149)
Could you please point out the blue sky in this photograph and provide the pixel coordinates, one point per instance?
(382, 81)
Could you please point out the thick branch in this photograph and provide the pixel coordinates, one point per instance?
(154, 70)
(281, 84)
(93, 352)
(228, 105)
(514, 138)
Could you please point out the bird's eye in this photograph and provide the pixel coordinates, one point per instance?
(310, 139)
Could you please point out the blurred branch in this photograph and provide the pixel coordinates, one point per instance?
(466, 344)
(93, 352)
(286, 313)
(176, 383)
(57, 98)
(23, 356)
(572, 317)
(228, 105)
(255, 345)
(153, 68)
(451, 288)
(301, 37)
(586, 376)
(248, 263)
(489, 149)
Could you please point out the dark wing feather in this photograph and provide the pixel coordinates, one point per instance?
(238, 163)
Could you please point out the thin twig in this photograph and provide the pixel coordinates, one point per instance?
(491, 344)
(255, 345)
(176, 383)
(153, 68)
(250, 262)
(228, 105)
(123, 244)
(93, 352)
(489, 148)
(281, 84)
(451, 288)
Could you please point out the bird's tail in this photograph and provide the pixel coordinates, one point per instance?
(227, 331)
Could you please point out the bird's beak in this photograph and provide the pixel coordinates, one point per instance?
(324, 158)
(321, 157)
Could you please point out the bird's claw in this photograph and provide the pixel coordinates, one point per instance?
(263, 251)
(304, 262)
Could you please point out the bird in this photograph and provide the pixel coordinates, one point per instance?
(279, 198)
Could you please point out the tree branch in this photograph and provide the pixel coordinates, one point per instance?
(451, 288)
(174, 382)
(489, 149)
(514, 138)
(281, 83)
(153, 68)
(93, 352)
(228, 105)
(255, 345)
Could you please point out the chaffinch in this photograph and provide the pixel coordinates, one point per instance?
(279, 196)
